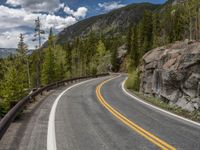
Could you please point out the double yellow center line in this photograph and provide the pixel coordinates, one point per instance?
(160, 143)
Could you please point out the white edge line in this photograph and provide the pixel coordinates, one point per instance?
(154, 107)
(51, 137)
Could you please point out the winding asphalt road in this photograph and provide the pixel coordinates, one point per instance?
(98, 115)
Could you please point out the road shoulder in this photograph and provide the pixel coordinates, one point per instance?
(164, 111)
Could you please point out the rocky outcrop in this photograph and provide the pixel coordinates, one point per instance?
(172, 72)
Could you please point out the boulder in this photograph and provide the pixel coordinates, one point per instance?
(172, 72)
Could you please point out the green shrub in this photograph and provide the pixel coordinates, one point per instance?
(133, 81)
(4, 107)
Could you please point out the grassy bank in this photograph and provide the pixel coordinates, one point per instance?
(133, 81)
(133, 87)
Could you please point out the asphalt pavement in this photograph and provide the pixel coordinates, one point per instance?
(84, 122)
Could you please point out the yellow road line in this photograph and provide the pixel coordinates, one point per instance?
(160, 143)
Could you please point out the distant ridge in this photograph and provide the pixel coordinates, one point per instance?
(5, 52)
(111, 24)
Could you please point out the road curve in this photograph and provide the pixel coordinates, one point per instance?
(98, 115)
(82, 123)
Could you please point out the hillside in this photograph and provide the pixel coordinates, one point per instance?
(113, 23)
(4, 52)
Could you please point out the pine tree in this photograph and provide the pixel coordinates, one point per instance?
(13, 84)
(134, 54)
(102, 57)
(129, 40)
(82, 54)
(60, 63)
(179, 24)
(114, 60)
(2, 66)
(91, 52)
(148, 31)
(22, 52)
(193, 11)
(68, 59)
(48, 69)
(101, 49)
(156, 31)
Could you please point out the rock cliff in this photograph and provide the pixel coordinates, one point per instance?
(172, 72)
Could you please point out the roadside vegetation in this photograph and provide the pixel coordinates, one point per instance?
(133, 81)
(52, 62)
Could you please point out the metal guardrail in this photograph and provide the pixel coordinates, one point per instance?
(11, 115)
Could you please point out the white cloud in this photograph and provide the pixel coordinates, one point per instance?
(81, 12)
(68, 10)
(36, 5)
(13, 2)
(21, 20)
(8, 39)
(58, 22)
(12, 18)
(107, 6)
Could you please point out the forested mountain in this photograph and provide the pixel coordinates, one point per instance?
(113, 23)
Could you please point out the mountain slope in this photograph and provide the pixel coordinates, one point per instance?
(112, 23)
(4, 52)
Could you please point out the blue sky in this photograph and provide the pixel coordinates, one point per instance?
(17, 16)
(92, 5)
